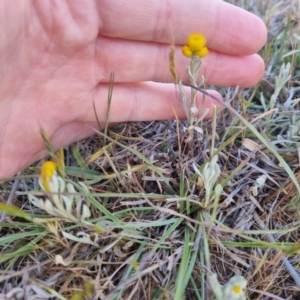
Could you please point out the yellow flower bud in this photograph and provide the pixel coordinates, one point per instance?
(186, 51)
(196, 41)
(237, 289)
(203, 52)
(47, 171)
(195, 45)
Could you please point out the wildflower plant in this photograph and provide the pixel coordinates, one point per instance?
(208, 178)
(195, 49)
(62, 199)
(280, 81)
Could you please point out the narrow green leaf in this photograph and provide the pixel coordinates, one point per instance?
(14, 211)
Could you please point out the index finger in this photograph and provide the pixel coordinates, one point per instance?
(228, 29)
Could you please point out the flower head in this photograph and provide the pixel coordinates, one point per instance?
(48, 170)
(195, 45)
(237, 289)
(234, 289)
(62, 198)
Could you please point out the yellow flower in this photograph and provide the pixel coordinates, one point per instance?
(195, 45)
(234, 289)
(237, 289)
(48, 169)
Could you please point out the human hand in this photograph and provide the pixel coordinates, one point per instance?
(56, 58)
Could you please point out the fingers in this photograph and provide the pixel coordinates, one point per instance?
(139, 102)
(133, 61)
(134, 102)
(228, 29)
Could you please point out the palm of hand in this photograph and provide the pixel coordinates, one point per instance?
(52, 82)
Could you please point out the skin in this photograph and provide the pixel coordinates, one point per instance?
(56, 57)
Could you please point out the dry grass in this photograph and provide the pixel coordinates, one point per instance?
(150, 238)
